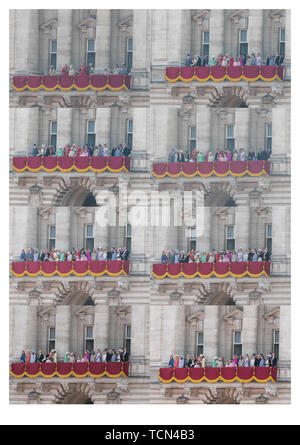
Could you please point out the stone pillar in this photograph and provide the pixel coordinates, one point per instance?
(249, 333)
(255, 31)
(281, 130)
(140, 62)
(103, 126)
(64, 38)
(64, 126)
(242, 227)
(241, 128)
(23, 329)
(139, 339)
(27, 41)
(103, 40)
(211, 333)
(62, 330)
(216, 32)
(173, 331)
(63, 228)
(24, 130)
(140, 137)
(179, 35)
(24, 232)
(164, 137)
(203, 242)
(285, 337)
(159, 18)
(280, 239)
(101, 233)
(287, 59)
(203, 127)
(101, 326)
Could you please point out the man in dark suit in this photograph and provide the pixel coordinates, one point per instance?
(125, 254)
(257, 360)
(125, 355)
(109, 254)
(273, 360)
(266, 256)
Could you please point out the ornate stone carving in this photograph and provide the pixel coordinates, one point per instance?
(182, 400)
(175, 297)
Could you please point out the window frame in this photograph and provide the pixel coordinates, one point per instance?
(237, 347)
(127, 339)
(199, 346)
(90, 134)
(129, 54)
(192, 140)
(205, 44)
(89, 339)
(268, 238)
(92, 53)
(50, 239)
(243, 42)
(128, 237)
(52, 134)
(129, 132)
(276, 344)
(52, 53)
(267, 136)
(229, 138)
(51, 340)
(192, 238)
(229, 239)
(88, 237)
(281, 42)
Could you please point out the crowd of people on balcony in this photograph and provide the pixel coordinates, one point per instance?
(75, 151)
(224, 256)
(97, 254)
(229, 60)
(87, 69)
(107, 355)
(256, 360)
(222, 155)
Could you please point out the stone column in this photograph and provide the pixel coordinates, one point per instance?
(27, 41)
(23, 329)
(281, 130)
(101, 233)
(211, 333)
(164, 133)
(139, 339)
(140, 62)
(241, 128)
(62, 330)
(63, 228)
(203, 242)
(179, 35)
(242, 227)
(280, 239)
(216, 32)
(285, 337)
(103, 40)
(249, 333)
(255, 31)
(287, 59)
(203, 127)
(64, 126)
(24, 130)
(101, 326)
(159, 18)
(173, 331)
(24, 232)
(140, 137)
(103, 126)
(64, 38)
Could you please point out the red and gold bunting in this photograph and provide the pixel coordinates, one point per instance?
(64, 370)
(212, 375)
(220, 73)
(98, 164)
(206, 270)
(66, 268)
(206, 169)
(114, 82)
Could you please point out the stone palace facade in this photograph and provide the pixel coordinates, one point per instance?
(153, 317)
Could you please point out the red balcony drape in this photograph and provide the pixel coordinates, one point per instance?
(114, 82)
(205, 169)
(66, 268)
(96, 164)
(76, 369)
(212, 375)
(206, 270)
(220, 73)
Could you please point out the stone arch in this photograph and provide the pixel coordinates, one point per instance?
(74, 393)
(77, 192)
(219, 293)
(229, 97)
(78, 293)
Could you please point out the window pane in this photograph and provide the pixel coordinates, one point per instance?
(192, 145)
(206, 37)
(52, 244)
(237, 349)
(129, 44)
(193, 233)
(89, 243)
(282, 49)
(89, 332)
(129, 139)
(91, 126)
(282, 35)
(91, 45)
(91, 59)
(90, 230)
(192, 132)
(53, 60)
(128, 230)
(276, 336)
(91, 140)
(230, 133)
(129, 61)
(53, 127)
(53, 46)
(269, 230)
(243, 49)
(269, 130)
(205, 50)
(89, 345)
(230, 244)
(128, 331)
(51, 345)
(230, 143)
(237, 337)
(127, 345)
(52, 232)
(230, 232)
(200, 338)
(199, 350)
(51, 333)
(243, 38)
(130, 125)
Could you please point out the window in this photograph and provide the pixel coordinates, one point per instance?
(89, 236)
(192, 139)
(53, 53)
(192, 243)
(51, 237)
(90, 52)
(89, 338)
(129, 55)
(243, 42)
(51, 339)
(268, 136)
(128, 237)
(276, 343)
(129, 132)
(127, 341)
(205, 44)
(199, 343)
(91, 135)
(269, 237)
(230, 141)
(237, 342)
(53, 133)
(230, 241)
(282, 41)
